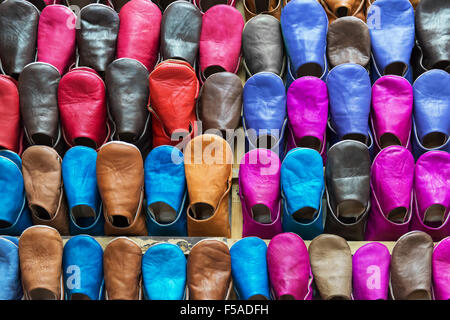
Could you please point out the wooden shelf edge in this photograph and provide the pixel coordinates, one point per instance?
(186, 243)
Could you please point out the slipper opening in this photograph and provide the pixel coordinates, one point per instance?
(397, 215)
(310, 69)
(81, 141)
(258, 297)
(419, 295)
(206, 4)
(305, 214)
(337, 297)
(79, 296)
(261, 214)
(42, 139)
(129, 137)
(310, 142)
(342, 12)
(266, 141)
(41, 294)
(165, 3)
(120, 221)
(162, 213)
(396, 68)
(209, 71)
(443, 65)
(262, 5)
(40, 212)
(349, 211)
(4, 224)
(356, 136)
(389, 139)
(434, 140)
(435, 216)
(201, 211)
(83, 215)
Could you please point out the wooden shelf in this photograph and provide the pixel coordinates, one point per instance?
(186, 243)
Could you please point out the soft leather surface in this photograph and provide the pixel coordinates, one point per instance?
(122, 260)
(370, 267)
(259, 190)
(249, 269)
(209, 271)
(220, 40)
(392, 36)
(348, 41)
(83, 269)
(56, 37)
(82, 108)
(262, 45)
(139, 32)
(164, 272)
(432, 195)
(173, 92)
(44, 187)
(348, 189)
(97, 36)
(308, 221)
(38, 89)
(18, 30)
(349, 91)
(10, 269)
(127, 90)
(331, 264)
(220, 103)
(12, 192)
(432, 107)
(302, 181)
(304, 25)
(289, 268)
(40, 256)
(264, 109)
(10, 124)
(411, 267)
(120, 179)
(165, 191)
(391, 188)
(392, 106)
(307, 110)
(14, 157)
(441, 269)
(433, 33)
(80, 185)
(208, 168)
(180, 32)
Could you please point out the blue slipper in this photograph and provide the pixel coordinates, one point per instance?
(249, 269)
(83, 269)
(264, 112)
(166, 192)
(302, 189)
(304, 25)
(10, 284)
(80, 185)
(164, 272)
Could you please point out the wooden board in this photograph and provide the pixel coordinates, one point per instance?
(187, 243)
